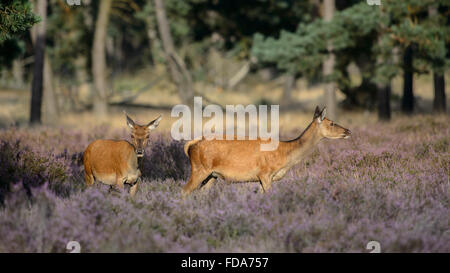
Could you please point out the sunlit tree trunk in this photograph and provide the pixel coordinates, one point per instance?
(328, 65)
(17, 70)
(51, 112)
(289, 84)
(178, 71)
(154, 42)
(38, 66)
(239, 76)
(99, 59)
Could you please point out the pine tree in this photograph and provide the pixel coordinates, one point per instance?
(368, 36)
(16, 18)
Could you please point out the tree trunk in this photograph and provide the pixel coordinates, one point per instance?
(49, 97)
(328, 66)
(154, 43)
(383, 87)
(17, 70)
(177, 67)
(439, 103)
(50, 102)
(38, 66)
(99, 59)
(384, 104)
(408, 96)
(239, 76)
(289, 84)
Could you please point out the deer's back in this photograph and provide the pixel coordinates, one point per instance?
(108, 158)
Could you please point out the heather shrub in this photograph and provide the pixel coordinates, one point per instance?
(166, 159)
(388, 183)
(21, 165)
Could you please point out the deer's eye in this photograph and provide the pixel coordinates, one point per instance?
(332, 124)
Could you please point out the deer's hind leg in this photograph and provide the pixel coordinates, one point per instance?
(266, 182)
(199, 173)
(197, 177)
(208, 182)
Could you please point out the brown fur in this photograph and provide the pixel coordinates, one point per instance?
(114, 162)
(243, 161)
(111, 162)
(188, 144)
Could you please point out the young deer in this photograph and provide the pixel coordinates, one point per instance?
(115, 162)
(243, 161)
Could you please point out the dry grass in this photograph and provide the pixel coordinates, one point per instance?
(14, 104)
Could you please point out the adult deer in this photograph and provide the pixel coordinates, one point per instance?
(243, 161)
(115, 162)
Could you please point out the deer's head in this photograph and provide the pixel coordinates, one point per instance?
(141, 133)
(328, 128)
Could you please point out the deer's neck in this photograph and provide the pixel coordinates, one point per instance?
(304, 144)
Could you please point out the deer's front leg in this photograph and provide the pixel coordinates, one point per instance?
(119, 182)
(133, 188)
(133, 180)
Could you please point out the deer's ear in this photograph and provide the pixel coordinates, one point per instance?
(130, 122)
(323, 113)
(317, 112)
(153, 124)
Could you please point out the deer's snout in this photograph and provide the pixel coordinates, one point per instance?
(140, 152)
(347, 133)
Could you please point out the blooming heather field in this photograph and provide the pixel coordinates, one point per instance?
(388, 183)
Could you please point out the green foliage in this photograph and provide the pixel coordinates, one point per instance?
(176, 11)
(364, 35)
(302, 51)
(15, 18)
(351, 33)
(69, 36)
(288, 34)
(237, 21)
(14, 47)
